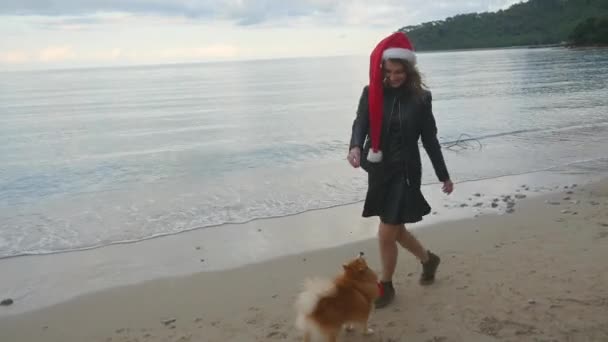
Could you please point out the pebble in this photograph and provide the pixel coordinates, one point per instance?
(168, 321)
(520, 196)
(7, 302)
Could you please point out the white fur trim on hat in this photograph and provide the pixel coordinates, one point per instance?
(399, 53)
(374, 157)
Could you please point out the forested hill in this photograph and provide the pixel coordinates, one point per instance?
(535, 22)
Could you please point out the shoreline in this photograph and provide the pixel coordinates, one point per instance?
(58, 277)
(552, 169)
(528, 276)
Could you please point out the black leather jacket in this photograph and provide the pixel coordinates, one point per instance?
(416, 114)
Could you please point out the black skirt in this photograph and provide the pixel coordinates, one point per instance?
(391, 197)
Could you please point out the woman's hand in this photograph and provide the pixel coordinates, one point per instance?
(354, 157)
(448, 187)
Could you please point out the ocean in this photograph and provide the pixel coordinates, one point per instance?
(94, 157)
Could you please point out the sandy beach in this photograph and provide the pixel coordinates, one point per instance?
(536, 274)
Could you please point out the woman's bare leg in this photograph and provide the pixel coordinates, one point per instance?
(408, 241)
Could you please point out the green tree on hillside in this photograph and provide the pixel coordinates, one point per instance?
(528, 23)
(591, 32)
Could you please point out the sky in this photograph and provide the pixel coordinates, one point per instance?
(40, 34)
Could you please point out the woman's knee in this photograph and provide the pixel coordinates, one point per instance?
(388, 233)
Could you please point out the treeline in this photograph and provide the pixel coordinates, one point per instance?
(536, 22)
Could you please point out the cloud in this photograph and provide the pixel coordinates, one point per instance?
(55, 54)
(14, 57)
(256, 12)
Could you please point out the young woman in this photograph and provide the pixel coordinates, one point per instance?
(394, 112)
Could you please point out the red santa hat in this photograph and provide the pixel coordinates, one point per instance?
(395, 46)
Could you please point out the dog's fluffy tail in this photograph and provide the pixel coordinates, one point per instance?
(314, 290)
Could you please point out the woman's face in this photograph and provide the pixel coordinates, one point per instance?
(394, 73)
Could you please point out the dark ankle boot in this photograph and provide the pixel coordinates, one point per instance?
(387, 294)
(429, 268)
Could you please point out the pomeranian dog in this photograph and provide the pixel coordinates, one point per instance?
(325, 306)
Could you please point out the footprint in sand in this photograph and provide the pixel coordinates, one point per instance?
(492, 326)
(437, 339)
(277, 334)
(184, 338)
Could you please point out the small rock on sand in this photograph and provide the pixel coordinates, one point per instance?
(7, 302)
(520, 196)
(168, 321)
(494, 204)
(553, 202)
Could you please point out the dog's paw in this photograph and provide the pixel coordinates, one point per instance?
(368, 331)
(349, 327)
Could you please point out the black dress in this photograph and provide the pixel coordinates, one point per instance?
(393, 191)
